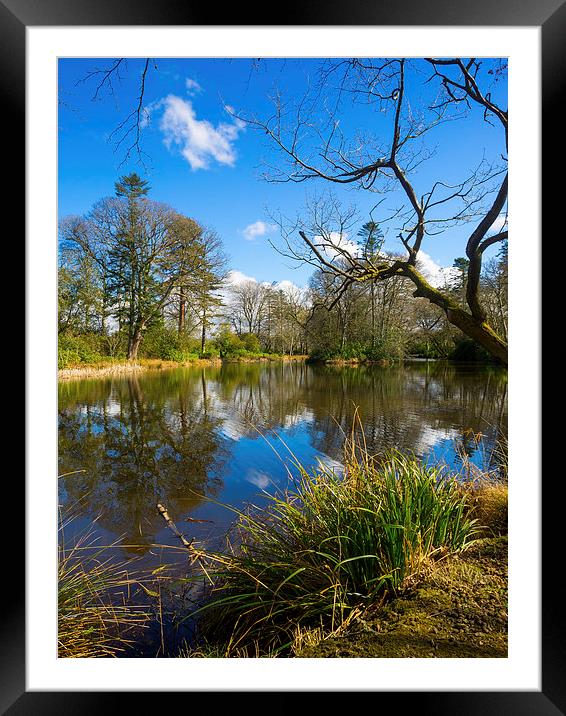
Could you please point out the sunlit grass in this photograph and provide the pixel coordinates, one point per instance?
(96, 615)
(331, 545)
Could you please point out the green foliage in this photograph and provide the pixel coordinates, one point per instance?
(127, 259)
(87, 348)
(169, 344)
(392, 347)
(424, 348)
(80, 293)
(131, 186)
(210, 350)
(330, 545)
(371, 239)
(229, 345)
(251, 343)
(158, 342)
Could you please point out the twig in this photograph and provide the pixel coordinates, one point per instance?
(196, 555)
(172, 526)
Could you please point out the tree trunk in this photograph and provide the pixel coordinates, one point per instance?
(373, 316)
(479, 331)
(476, 329)
(203, 334)
(134, 344)
(182, 309)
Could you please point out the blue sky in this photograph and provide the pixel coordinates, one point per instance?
(208, 166)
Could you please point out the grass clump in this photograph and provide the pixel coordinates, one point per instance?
(96, 617)
(333, 544)
(489, 502)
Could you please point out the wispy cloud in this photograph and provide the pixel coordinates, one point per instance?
(200, 142)
(257, 229)
(192, 86)
(499, 224)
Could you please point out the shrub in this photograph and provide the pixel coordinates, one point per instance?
(85, 348)
(168, 344)
(67, 357)
(391, 347)
(467, 350)
(229, 344)
(210, 351)
(251, 342)
(424, 348)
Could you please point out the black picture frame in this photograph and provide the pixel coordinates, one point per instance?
(550, 16)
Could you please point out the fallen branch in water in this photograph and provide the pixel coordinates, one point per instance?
(196, 554)
(172, 526)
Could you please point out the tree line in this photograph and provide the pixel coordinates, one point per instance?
(136, 275)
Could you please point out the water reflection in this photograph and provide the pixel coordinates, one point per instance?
(174, 436)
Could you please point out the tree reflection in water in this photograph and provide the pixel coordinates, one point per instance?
(174, 435)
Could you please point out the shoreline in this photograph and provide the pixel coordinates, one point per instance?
(102, 369)
(94, 370)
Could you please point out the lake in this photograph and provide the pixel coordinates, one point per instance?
(225, 433)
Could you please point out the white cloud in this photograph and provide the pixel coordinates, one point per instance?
(236, 278)
(192, 86)
(436, 274)
(286, 286)
(200, 142)
(258, 228)
(340, 241)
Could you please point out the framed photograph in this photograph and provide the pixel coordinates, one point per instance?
(277, 331)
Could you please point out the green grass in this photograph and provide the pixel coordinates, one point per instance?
(318, 554)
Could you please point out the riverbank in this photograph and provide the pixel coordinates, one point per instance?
(456, 608)
(385, 362)
(442, 594)
(305, 579)
(354, 361)
(458, 611)
(111, 367)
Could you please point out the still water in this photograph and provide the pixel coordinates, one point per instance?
(224, 432)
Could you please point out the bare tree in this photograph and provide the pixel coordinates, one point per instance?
(386, 165)
(249, 300)
(126, 136)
